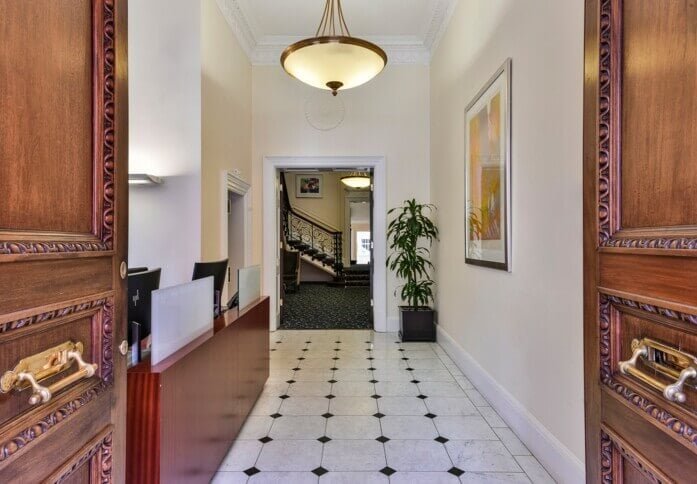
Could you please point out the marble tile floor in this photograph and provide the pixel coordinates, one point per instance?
(355, 406)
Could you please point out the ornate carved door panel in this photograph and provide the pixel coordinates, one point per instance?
(640, 240)
(63, 196)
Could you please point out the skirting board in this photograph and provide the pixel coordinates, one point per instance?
(559, 461)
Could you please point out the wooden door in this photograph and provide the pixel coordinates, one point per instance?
(63, 212)
(640, 240)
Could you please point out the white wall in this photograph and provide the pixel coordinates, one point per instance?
(164, 50)
(386, 117)
(226, 77)
(521, 332)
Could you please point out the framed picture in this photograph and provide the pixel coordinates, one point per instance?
(308, 186)
(488, 173)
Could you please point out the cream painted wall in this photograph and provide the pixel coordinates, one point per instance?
(226, 87)
(387, 117)
(330, 208)
(164, 57)
(523, 328)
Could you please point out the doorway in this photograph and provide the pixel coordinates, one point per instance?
(323, 285)
(271, 229)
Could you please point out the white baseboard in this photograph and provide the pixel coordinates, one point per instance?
(559, 461)
(392, 324)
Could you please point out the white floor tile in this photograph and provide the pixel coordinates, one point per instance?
(493, 478)
(298, 428)
(354, 478)
(417, 455)
(266, 406)
(402, 406)
(290, 455)
(492, 417)
(423, 478)
(353, 455)
(353, 389)
(441, 389)
(352, 374)
(433, 375)
(396, 389)
(304, 406)
(229, 478)
(255, 427)
(241, 456)
(534, 470)
(481, 456)
(353, 427)
(427, 364)
(512, 442)
(284, 477)
(310, 389)
(393, 375)
(476, 398)
(313, 374)
(464, 428)
(401, 428)
(353, 406)
(450, 406)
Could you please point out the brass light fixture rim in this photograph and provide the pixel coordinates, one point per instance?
(332, 39)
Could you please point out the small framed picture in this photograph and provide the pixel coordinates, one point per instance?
(308, 186)
(488, 174)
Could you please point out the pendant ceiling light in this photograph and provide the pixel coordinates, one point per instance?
(332, 59)
(356, 180)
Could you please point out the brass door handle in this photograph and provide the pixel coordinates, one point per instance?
(672, 363)
(30, 371)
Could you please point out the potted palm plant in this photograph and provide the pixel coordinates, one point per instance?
(410, 235)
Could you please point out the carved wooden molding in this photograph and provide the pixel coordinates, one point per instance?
(103, 345)
(649, 308)
(97, 452)
(102, 237)
(51, 315)
(666, 419)
(609, 138)
(606, 458)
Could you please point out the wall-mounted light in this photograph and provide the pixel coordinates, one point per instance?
(144, 179)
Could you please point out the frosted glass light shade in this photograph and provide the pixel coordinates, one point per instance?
(356, 181)
(334, 63)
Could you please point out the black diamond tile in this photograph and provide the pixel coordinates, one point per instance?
(337, 342)
(320, 471)
(296, 368)
(374, 381)
(265, 440)
(442, 440)
(410, 369)
(422, 397)
(305, 349)
(283, 397)
(251, 471)
(336, 358)
(371, 368)
(367, 342)
(333, 368)
(327, 415)
(369, 349)
(273, 349)
(378, 415)
(388, 471)
(324, 439)
(301, 359)
(275, 415)
(376, 396)
(308, 342)
(330, 397)
(405, 359)
(430, 415)
(456, 472)
(290, 381)
(331, 381)
(337, 349)
(382, 439)
(401, 349)
(279, 342)
(415, 381)
(370, 358)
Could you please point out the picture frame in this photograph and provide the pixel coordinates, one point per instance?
(488, 173)
(310, 185)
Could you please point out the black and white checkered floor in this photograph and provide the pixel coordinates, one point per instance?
(356, 406)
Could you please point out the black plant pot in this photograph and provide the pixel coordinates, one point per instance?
(417, 324)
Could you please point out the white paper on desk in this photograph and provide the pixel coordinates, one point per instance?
(180, 314)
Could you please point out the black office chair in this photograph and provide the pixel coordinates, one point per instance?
(135, 270)
(291, 271)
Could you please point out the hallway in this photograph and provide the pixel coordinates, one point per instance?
(357, 406)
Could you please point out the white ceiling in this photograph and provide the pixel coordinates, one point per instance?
(408, 30)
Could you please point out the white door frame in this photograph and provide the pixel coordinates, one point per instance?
(271, 236)
(232, 182)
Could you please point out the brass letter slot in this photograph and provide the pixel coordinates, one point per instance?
(30, 371)
(669, 362)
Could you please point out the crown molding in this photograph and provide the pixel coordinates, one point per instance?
(266, 50)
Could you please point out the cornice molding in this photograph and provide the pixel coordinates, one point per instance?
(264, 51)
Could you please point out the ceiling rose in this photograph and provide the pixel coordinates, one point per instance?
(332, 59)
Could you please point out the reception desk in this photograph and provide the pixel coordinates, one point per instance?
(185, 412)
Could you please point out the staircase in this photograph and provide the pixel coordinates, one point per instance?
(357, 275)
(315, 242)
